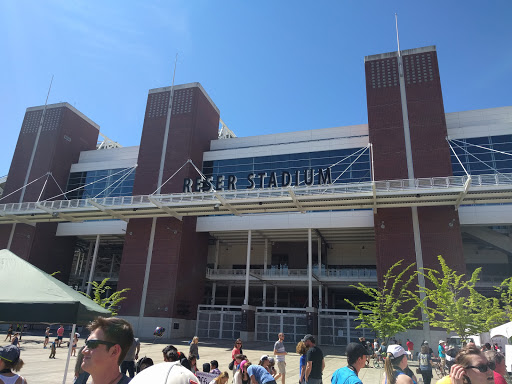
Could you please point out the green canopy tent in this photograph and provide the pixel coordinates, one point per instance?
(30, 295)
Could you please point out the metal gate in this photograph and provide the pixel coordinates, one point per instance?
(218, 321)
(338, 327)
(271, 320)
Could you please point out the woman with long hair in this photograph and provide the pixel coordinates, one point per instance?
(241, 376)
(471, 367)
(302, 350)
(221, 379)
(396, 363)
(237, 349)
(194, 350)
(10, 361)
(425, 363)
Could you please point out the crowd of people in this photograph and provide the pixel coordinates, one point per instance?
(111, 356)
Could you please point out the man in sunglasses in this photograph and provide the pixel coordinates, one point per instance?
(497, 364)
(105, 349)
(471, 367)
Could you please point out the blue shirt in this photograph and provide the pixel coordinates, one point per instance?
(440, 350)
(345, 376)
(302, 365)
(260, 374)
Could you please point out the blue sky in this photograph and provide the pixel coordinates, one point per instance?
(270, 66)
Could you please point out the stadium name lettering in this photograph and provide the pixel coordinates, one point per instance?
(258, 180)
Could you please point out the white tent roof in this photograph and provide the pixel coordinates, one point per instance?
(502, 330)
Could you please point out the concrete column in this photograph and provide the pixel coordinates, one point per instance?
(93, 266)
(89, 253)
(326, 298)
(275, 296)
(265, 262)
(248, 267)
(214, 291)
(319, 250)
(310, 269)
(229, 295)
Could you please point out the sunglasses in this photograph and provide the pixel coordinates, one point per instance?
(93, 344)
(482, 367)
(238, 343)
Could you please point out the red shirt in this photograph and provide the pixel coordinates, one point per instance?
(499, 379)
(410, 345)
(60, 331)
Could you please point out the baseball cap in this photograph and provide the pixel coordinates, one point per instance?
(355, 350)
(396, 350)
(264, 357)
(11, 353)
(165, 373)
(308, 337)
(442, 341)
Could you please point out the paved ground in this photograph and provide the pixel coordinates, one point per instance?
(41, 370)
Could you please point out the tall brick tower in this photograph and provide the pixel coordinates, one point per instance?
(407, 128)
(164, 259)
(49, 143)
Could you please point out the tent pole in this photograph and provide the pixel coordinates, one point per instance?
(69, 352)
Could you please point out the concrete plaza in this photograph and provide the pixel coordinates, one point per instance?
(42, 370)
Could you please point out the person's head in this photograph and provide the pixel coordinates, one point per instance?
(206, 367)
(166, 373)
(488, 346)
(239, 357)
(396, 359)
(309, 340)
(144, 363)
(222, 378)
(47, 328)
(264, 362)
(356, 355)
(195, 340)
(10, 358)
(107, 345)
(408, 340)
(442, 342)
(424, 349)
(475, 364)
(238, 343)
(383, 343)
(496, 361)
(56, 340)
(214, 364)
(271, 362)
(170, 353)
(280, 336)
(243, 367)
(192, 359)
(301, 348)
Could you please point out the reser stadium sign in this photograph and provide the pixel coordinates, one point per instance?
(259, 180)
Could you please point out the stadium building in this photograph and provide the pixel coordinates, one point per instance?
(224, 237)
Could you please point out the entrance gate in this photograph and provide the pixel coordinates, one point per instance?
(272, 320)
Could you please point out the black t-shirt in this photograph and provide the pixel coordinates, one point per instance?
(316, 356)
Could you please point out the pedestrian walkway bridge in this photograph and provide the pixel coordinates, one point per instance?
(436, 191)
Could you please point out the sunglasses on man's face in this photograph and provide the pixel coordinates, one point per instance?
(93, 344)
(482, 367)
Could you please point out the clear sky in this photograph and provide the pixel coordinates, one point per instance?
(270, 66)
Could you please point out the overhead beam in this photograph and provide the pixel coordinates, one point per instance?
(463, 193)
(296, 201)
(65, 216)
(225, 203)
(106, 210)
(18, 219)
(166, 209)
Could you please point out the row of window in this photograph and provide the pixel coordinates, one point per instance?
(119, 182)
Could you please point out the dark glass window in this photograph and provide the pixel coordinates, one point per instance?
(337, 160)
(100, 183)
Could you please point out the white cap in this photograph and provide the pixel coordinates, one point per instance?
(396, 350)
(165, 373)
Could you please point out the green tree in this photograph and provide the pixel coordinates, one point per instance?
(452, 302)
(109, 302)
(392, 308)
(505, 297)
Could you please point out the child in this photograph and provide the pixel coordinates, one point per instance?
(53, 349)
(46, 337)
(73, 347)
